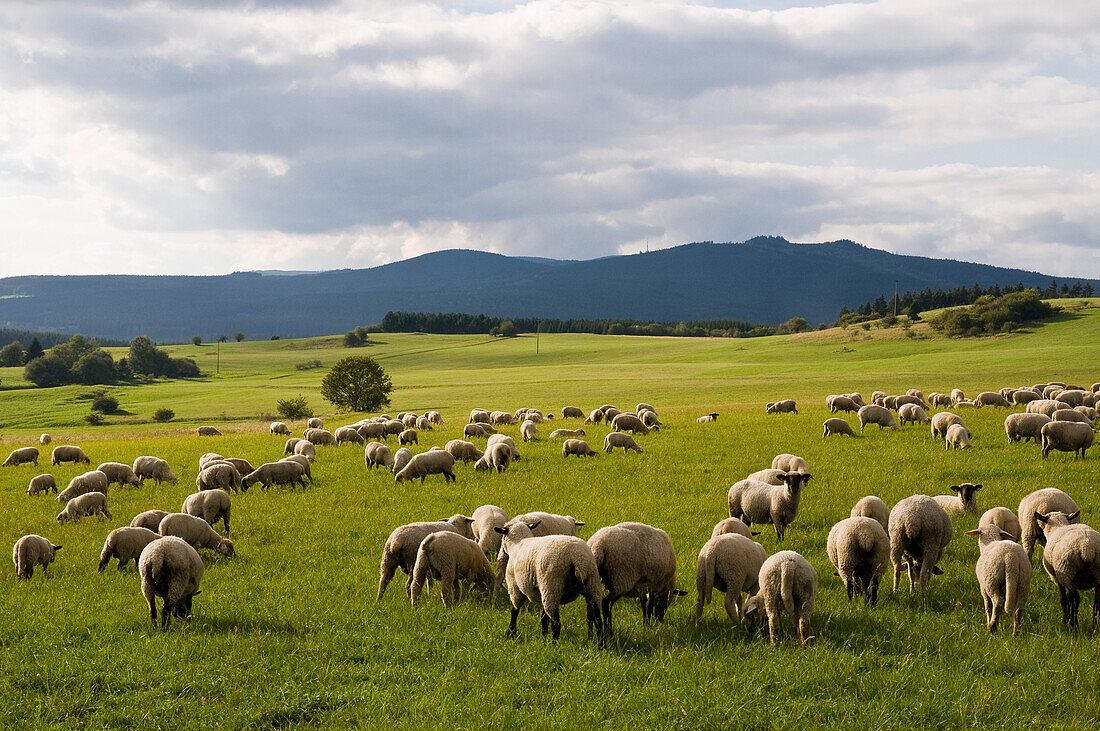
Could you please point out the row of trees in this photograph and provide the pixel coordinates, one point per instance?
(991, 314)
(82, 360)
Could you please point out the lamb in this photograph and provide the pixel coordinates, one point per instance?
(477, 430)
(1047, 500)
(210, 505)
(1066, 436)
(631, 423)
(758, 502)
(68, 453)
(635, 560)
(1071, 415)
(94, 481)
(1072, 561)
(306, 449)
(208, 431)
(872, 506)
(376, 453)
(125, 544)
(912, 414)
(320, 437)
(578, 447)
(567, 433)
(42, 483)
(278, 427)
(92, 503)
(275, 473)
(22, 455)
(785, 406)
(171, 569)
(552, 570)
(30, 551)
(619, 439)
(408, 436)
(428, 463)
(1004, 575)
(872, 414)
(958, 437)
(496, 457)
(789, 463)
(1003, 519)
(423, 423)
(150, 519)
(707, 418)
(859, 549)
(1025, 426)
(196, 532)
(595, 417)
(838, 426)
(298, 460)
(732, 525)
(963, 503)
(838, 402)
(943, 421)
(118, 473)
(527, 430)
(44, 439)
(787, 582)
(155, 468)
(919, 531)
(990, 398)
(348, 435)
(219, 477)
(728, 562)
(403, 543)
(401, 459)
(486, 518)
(315, 423)
(451, 559)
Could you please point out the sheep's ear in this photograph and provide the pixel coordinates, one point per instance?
(937, 571)
(58, 548)
(1041, 518)
(754, 532)
(468, 520)
(579, 523)
(534, 525)
(197, 592)
(502, 531)
(977, 487)
(807, 478)
(1006, 534)
(679, 592)
(975, 532)
(954, 488)
(1074, 516)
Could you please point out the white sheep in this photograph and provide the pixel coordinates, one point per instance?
(94, 481)
(1004, 519)
(125, 544)
(69, 453)
(155, 468)
(964, 502)
(92, 503)
(527, 430)
(872, 506)
(278, 427)
(1071, 415)
(631, 423)
(735, 526)
(299, 460)
(208, 431)
(401, 459)
(1004, 575)
(306, 449)
(943, 421)
(707, 418)
(787, 583)
(22, 455)
(320, 437)
(840, 402)
(730, 563)
(1025, 426)
(210, 505)
(837, 426)
(451, 559)
(219, 476)
(754, 501)
(118, 473)
(567, 433)
(771, 476)
(620, 439)
(789, 463)
(172, 569)
(1072, 561)
(919, 531)
(348, 435)
(486, 518)
(504, 439)
(958, 437)
(463, 451)
(1046, 500)
(275, 473)
(496, 457)
(195, 531)
(1066, 436)
(913, 414)
(578, 447)
(874, 414)
(571, 412)
(423, 423)
(434, 416)
(315, 423)
(595, 417)
(44, 438)
(408, 436)
(30, 551)
(428, 463)
(376, 453)
(635, 560)
(290, 444)
(150, 519)
(42, 483)
(401, 547)
(859, 548)
(784, 406)
(477, 429)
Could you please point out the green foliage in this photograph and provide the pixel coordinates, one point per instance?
(506, 329)
(357, 383)
(104, 403)
(162, 415)
(461, 323)
(357, 338)
(34, 350)
(274, 337)
(294, 409)
(308, 365)
(11, 355)
(793, 325)
(148, 360)
(991, 314)
(77, 361)
(238, 336)
(95, 419)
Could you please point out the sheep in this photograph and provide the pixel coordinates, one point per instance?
(150, 519)
(278, 427)
(872, 506)
(68, 453)
(1071, 415)
(22, 455)
(758, 502)
(42, 483)
(207, 431)
(30, 551)
(219, 477)
(855, 396)
(1088, 411)
(877, 397)
(243, 466)
(707, 418)
(320, 437)
(1044, 406)
(872, 414)
(402, 545)
(479, 416)
(1072, 561)
(939, 399)
(1066, 436)
(990, 398)
(631, 423)
(837, 426)
(501, 417)
(1004, 519)
(196, 532)
(315, 423)
(463, 451)
(635, 560)
(376, 453)
(527, 430)
(567, 433)
(171, 569)
(578, 447)
(729, 562)
(408, 420)
(896, 402)
(477, 430)
(943, 421)
(155, 468)
(789, 463)
(859, 548)
(1025, 426)
(423, 423)
(787, 583)
(94, 481)
(963, 503)
(275, 473)
(912, 414)
(771, 476)
(957, 395)
(291, 443)
(394, 426)
(552, 570)
(401, 459)
(210, 505)
(919, 531)
(408, 436)
(91, 503)
(428, 463)
(297, 459)
(571, 412)
(451, 559)
(496, 457)
(1004, 575)
(306, 449)
(610, 413)
(958, 437)
(209, 457)
(841, 403)
(1071, 396)
(434, 416)
(486, 518)
(118, 473)
(348, 435)
(785, 406)
(594, 417)
(619, 439)
(732, 525)
(373, 431)
(125, 544)
(1025, 396)
(1047, 500)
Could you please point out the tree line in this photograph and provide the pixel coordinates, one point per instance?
(82, 360)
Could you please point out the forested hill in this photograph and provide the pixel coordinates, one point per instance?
(763, 280)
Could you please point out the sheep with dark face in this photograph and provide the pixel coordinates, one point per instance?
(754, 501)
(965, 501)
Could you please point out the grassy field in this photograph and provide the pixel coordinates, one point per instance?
(288, 634)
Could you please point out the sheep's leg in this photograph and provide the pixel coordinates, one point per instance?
(732, 603)
(545, 623)
(1018, 619)
(389, 568)
(874, 591)
(555, 620)
(995, 611)
(897, 576)
(122, 562)
(1074, 603)
(512, 625)
(804, 626)
(608, 603)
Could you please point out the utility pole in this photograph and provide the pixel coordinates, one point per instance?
(219, 367)
(538, 330)
(895, 298)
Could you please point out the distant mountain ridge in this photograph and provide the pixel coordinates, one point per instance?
(762, 280)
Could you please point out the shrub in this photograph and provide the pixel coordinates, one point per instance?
(238, 336)
(104, 403)
(991, 314)
(196, 340)
(308, 365)
(95, 418)
(11, 355)
(357, 338)
(162, 415)
(506, 329)
(357, 383)
(294, 408)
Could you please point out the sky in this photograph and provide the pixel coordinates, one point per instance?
(210, 136)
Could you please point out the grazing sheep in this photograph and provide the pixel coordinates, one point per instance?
(428, 463)
(373, 431)
(376, 453)
(919, 531)
(315, 423)
(348, 435)
(635, 560)
(219, 477)
(729, 562)
(91, 503)
(912, 414)
(486, 518)
(118, 473)
(877, 397)
(501, 417)
(451, 559)
(896, 402)
(872, 506)
(42, 483)
(401, 459)
(243, 466)
(44, 439)
(209, 457)
(68, 453)
(30, 551)
(578, 447)
(1025, 396)
(94, 481)
(595, 417)
(171, 569)
(480, 416)
(1004, 519)
(408, 420)
(707, 418)
(1071, 396)
(789, 463)
(497, 457)
(631, 423)
(1071, 415)
(275, 473)
(1088, 411)
(207, 431)
(527, 430)
(306, 449)
(394, 426)
(320, 437)
(732, 525)
(210, 505)
(150, 519)
(278, 427)
(463, 451)
(291, 443)
(610, 413)
(552, 570)
(22, 455)
(859, 549)
(408, 436)
(125, 544)
(758, 502)
(939, 399)
(567, 433)
(571, 412)
(838, 402)
(649, 418)
(786, 406)
(990, 398)
(434, 416)
(1072, 561)
(298, 460)
(943, 421)
(855, 396)
(1004, 575)
(155, 468)
(838, 426)
(872, 414)
(787, 583)
(196, 532)
(1066, 436)
(619, 439)
(966, 501)
(1045, 406)
(957, 395)
(1025, 426)
(1047, 500)
(958, 437)
(401, 547)
(477, 430)
(423, 423)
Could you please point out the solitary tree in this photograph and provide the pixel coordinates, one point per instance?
(196, 340)
(238, 336)
(357, 383)
(223, 338)
(11, 355)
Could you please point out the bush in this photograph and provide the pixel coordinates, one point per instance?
(294, 409)
(104, 403)
(196, 340)
(238, 336)
(357, 383)
(991, 314)
(308, 365)
(506, 329)
(162, 415)
(95, 418)
(11, 355)
(357, 338)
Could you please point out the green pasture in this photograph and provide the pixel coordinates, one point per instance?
(288, 634)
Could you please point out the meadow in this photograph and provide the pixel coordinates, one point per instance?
(288, 634)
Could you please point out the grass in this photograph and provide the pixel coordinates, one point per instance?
(288, 634)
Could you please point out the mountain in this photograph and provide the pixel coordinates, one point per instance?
(763, 280)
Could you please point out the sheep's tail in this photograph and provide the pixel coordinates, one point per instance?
(386, 569)
(105, 555)
(704, 583)
(786, 586)
(419, 574)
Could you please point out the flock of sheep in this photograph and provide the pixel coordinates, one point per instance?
(540, 559)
